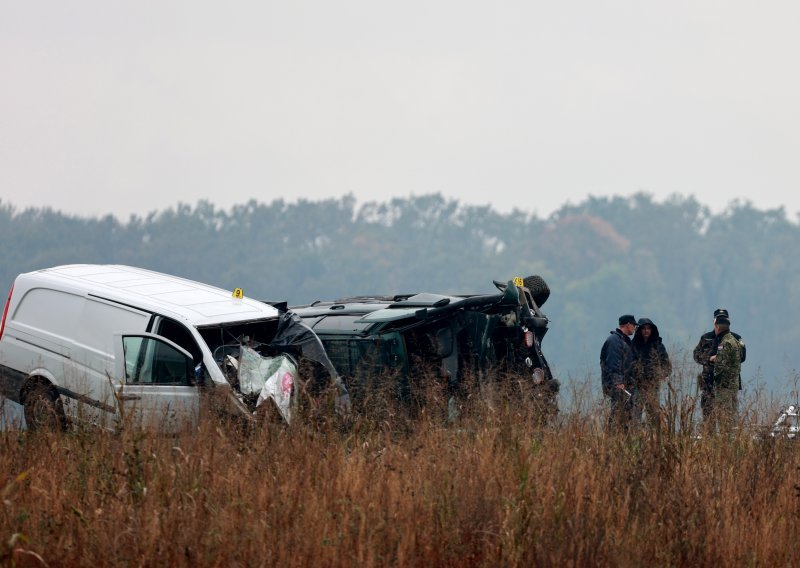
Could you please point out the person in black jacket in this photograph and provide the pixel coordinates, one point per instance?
(651, 365)
(616, 372)
(702, 352)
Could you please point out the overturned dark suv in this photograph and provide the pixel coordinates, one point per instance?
(407, 340)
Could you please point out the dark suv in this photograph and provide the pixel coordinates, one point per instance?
(453, 339)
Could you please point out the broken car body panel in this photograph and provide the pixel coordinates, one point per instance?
(454, 335)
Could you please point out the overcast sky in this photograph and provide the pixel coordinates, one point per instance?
(130, 107)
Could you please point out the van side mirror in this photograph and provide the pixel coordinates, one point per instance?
(198, 377)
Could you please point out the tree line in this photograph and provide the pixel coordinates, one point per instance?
(673, 261)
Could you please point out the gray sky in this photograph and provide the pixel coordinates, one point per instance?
(130, 107)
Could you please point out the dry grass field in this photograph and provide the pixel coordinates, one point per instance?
(382, 489)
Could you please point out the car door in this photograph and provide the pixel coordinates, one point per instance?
(156, 386)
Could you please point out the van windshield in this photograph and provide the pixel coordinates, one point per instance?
(237, 333)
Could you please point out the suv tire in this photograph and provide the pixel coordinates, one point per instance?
(538, 288)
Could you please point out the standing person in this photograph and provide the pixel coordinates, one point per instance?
(616, 368)
(726, 361)
(651, 365)
(701, 354)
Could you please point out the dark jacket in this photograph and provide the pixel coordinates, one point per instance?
(703, 349)
(651, 362)
(616, 361)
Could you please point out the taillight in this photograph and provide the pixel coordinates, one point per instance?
(527, 338)
(5, 312)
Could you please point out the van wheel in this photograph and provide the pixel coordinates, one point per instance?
(538, 288)
(43, 409)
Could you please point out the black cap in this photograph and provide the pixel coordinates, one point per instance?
(721, 312)
(627, 318)
(722, 320)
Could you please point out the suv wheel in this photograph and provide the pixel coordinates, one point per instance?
(538, 288)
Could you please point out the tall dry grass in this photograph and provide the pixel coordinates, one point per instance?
(388, 488)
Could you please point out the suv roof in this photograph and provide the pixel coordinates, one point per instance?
(382, 309)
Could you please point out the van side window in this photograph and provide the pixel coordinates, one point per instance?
(149, 361)
(181, 336)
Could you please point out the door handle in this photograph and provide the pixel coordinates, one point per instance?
(130, 397)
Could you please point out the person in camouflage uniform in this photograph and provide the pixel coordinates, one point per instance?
(704, 350)
(726, 359)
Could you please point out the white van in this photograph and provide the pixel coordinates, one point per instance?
(94, 342)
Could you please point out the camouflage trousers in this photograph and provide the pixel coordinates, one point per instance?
(720, 408)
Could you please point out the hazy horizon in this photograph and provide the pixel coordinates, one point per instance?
(123, 216)
(129, 108)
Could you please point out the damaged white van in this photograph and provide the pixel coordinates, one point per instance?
(95, 343)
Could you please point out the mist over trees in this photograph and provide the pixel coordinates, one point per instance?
(672, 261)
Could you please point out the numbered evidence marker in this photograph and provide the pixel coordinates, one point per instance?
(238, 293)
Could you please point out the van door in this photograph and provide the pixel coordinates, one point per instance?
(156, 387)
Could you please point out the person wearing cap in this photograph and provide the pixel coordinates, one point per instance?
(726, 360)
(651, 366)
(616, 371)
(702, 353)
